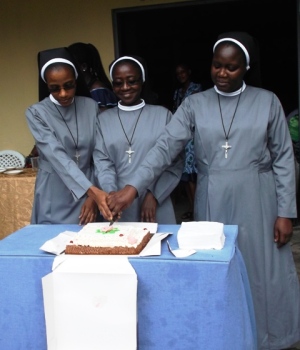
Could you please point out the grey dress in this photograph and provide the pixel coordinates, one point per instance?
(61, 185)
(250, 188)
(112, 162)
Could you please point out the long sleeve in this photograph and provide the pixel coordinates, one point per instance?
(169, 145)
(104, 165)
(53, 154)
(281, 149)
(169, 179)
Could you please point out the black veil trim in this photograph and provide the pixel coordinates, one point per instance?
(62, 52)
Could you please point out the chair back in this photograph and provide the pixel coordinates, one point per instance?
(11, 159)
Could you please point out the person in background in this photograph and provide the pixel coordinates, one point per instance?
(293, 125)
(89, 61)
(189, 177)
(63, 124)
(33, 153)
(245, 165)
(128, 132)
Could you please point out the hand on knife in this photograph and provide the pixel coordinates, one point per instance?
(115, 218)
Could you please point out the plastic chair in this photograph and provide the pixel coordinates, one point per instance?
(9, 158)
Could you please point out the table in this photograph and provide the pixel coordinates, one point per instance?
(199, 302)
(16, 199)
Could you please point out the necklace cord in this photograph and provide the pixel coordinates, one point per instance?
(227, 134)
(130, 142)
(75, 143)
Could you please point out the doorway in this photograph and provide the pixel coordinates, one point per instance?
(167, 34)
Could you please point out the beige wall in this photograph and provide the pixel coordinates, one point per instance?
(27, 27)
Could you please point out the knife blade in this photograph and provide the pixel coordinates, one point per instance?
(113, 220)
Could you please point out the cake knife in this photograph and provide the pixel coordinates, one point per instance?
(112, 221)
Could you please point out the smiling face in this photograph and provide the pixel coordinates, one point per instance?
(228, 67)
(61, 83)
(127, 82)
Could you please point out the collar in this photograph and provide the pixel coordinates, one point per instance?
(230, 94)
(55, 101)
(131, 108)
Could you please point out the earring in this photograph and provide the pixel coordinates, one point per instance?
(84, 67)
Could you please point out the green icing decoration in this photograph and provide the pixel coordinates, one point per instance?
(114, 230)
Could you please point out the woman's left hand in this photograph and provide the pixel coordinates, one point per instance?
(283, 231)
(88, 211)
(148, 209)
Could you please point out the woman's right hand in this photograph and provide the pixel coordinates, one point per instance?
(148, 208)
(120, 200)
(100, 197)
(88, 211)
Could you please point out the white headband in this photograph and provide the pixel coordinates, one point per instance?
(240, 45)
(56, 60)
(127, 58)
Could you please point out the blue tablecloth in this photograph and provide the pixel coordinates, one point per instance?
(199, 302)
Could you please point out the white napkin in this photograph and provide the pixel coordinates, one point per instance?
(154, 245)
(181, 253)
(57, 245)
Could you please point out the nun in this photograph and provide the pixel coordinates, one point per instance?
(245, 163)
(63, 125)
(129, 131)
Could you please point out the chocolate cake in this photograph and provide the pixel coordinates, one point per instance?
(97, 239)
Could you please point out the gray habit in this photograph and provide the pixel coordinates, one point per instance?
(112, 162)
(61, 185)
(250, 188)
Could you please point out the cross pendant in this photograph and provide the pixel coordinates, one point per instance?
(226, 148)
(129, 152)
(77, 156)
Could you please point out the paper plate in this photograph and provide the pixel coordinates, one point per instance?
(13, 172)
(10, 167)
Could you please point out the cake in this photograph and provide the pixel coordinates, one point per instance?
(201, 235)
(96, 239)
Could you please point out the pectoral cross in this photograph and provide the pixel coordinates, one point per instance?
(226, 148)
(129, 152)
(77, 156)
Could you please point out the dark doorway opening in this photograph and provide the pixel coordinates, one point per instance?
(167, 34)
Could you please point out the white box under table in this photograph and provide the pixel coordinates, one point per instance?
(91, 303)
